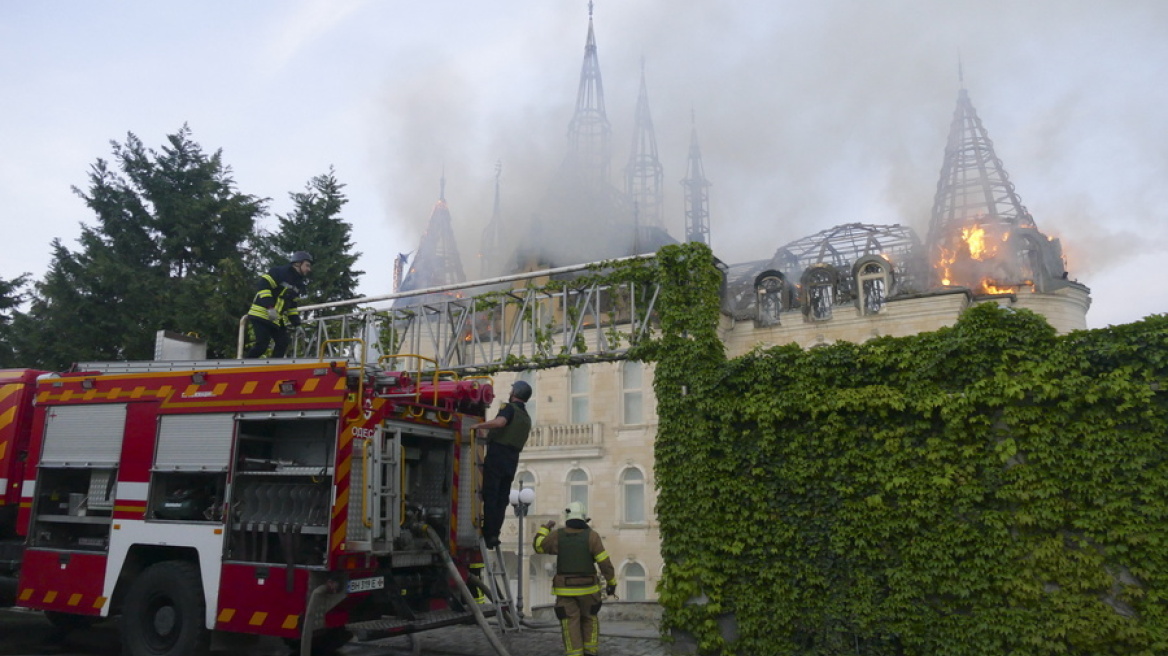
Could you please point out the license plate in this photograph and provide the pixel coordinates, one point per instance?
(364, 585)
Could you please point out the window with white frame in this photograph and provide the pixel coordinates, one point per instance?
(771, 289)
(578, 392)
(634, 580)
(578, 486)
(872, 281)
(819, 283)
(526, 479)
(529, 378)
(633, 491)
(632, 388)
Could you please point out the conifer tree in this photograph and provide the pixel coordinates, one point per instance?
(315, 225)
(11, 296)
(169, 228)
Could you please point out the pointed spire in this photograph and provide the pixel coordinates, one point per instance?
(974, 186)
(437, 261)
(697, 196)
(644, 176)
(980, 234)
(589, 133)
(492, 235)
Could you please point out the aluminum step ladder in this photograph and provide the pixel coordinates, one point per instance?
(498, 587)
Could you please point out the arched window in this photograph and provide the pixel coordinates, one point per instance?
(526, 479)
(578, 392)
(632, 389)
(872, 280)
(529, 378)
(578, 486)
(819, 288)
(770, 288)
(633, 491)
(634, 580)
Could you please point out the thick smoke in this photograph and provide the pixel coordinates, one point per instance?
(809, 115)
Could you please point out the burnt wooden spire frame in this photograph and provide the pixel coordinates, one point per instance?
(644, 175)
(589, 132)
(697, 195)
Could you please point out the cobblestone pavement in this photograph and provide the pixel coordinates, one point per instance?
(25, 633)
(635, 640)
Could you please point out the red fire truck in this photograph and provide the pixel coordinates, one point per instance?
(304, 499)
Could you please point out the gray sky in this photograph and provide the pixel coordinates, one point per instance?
(810, 114)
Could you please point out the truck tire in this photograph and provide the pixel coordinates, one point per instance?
(165, 613)
(324, 643)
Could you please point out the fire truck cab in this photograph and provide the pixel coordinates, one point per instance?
(290, 498)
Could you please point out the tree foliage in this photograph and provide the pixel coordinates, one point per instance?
(169, 228)
(315, 225)
(11, 296)
(987, 488)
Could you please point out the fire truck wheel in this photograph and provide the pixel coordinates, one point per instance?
(69, 621)
(325, 643)
(165, 613)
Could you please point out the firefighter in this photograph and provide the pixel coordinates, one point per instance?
(507, 433)
(273, 310)
(579, 551)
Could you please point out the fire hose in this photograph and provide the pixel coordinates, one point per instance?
(440, 547)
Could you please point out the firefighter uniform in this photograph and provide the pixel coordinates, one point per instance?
(274, 309)
(579, 551)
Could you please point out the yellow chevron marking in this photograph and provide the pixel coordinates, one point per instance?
(163, 391)
(338, 536)
(50, 597)
(74, 599)
(138, 392)
(258, 618)
(89, 395)
(114, 392)
(8, 390)
(3, 448)
(249, 387)
(99, 602)
(66, 395)
(226, 614)
(191, 389)
(291, 622)
(8, 417)
(26, 594)
(220, 389)
(342, 469)
(342, 501)
(310, 384)
(342, 383)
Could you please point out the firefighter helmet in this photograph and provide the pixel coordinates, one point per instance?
(521, 390)
(576, 510)
(301, 256)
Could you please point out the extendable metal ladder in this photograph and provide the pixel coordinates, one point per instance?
(498, 586)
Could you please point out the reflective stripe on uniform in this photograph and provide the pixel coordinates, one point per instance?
(576, 592)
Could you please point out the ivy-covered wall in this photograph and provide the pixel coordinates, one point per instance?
(989, 488)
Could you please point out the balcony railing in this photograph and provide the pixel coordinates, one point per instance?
(566, 435)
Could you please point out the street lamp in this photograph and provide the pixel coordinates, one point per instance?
(521, 500)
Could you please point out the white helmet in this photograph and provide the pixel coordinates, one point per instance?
(576, 510)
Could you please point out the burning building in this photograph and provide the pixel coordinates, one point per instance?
(595, 424)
